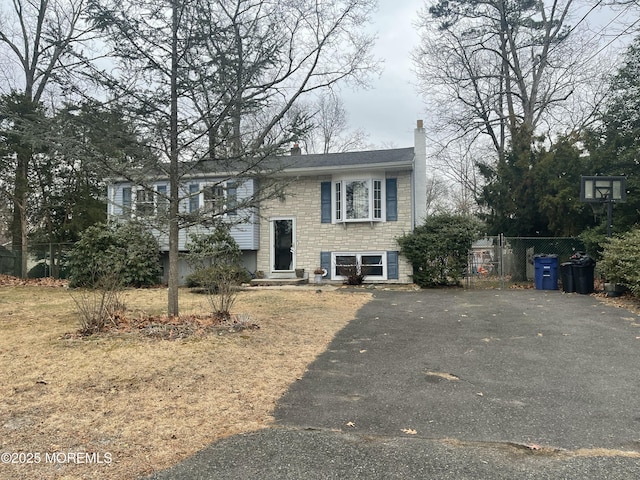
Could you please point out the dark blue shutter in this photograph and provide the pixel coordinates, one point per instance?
(325, 202)
(232, 198)
(392, 266)
(126, 201)
(392, 199)
(194, 197)
(325, 262)
(162, 201)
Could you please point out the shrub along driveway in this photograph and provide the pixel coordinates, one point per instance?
(456, 384)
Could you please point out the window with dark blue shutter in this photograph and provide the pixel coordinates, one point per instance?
(392, 265)
(194, 197)
(392, 199)
(126, 201)
(232, 198)
(162, 201)
(325, 202)
(325, 262)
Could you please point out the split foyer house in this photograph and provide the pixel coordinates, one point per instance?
(338, 209)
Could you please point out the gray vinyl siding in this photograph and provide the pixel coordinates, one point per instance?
(246, 234)
(115, 198)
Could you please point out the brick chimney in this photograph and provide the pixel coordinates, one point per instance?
(296, 150)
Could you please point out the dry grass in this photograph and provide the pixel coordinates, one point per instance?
(148, 403)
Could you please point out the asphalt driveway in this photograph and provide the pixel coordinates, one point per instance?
(463, 384)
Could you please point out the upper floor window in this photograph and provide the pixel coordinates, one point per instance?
(162, 200)
(358, 200)
(194, 197)
(219, 198)
(213, 196)
(126, 201)
(144, 203)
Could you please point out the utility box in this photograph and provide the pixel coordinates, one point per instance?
(546, 271)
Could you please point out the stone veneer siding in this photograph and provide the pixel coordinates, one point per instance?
(302, 202)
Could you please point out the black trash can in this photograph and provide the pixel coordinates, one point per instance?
(582, 267)
(566, 273)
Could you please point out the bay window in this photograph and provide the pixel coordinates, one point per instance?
(358, 200)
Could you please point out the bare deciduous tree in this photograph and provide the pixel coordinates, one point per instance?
(36, 50)
(503, 67)
(215, 81)
(499, 74)
(330, 132)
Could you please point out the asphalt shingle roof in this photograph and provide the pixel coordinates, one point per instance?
(370, 157)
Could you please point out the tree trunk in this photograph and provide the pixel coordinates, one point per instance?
(174, 229)
(19, 224)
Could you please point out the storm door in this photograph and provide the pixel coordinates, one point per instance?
(283, 250)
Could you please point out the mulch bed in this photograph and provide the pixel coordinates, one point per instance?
(8, 280)
(184, 326)
(171, 328)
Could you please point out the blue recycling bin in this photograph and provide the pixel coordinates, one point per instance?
(546, 267)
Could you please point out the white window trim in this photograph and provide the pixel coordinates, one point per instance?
(215, 185)
(114, 206)
(225, 185)
(275, 273)
(358, 255)
(367, 177)
(135, 192)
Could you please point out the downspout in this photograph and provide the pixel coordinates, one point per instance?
(413, 193)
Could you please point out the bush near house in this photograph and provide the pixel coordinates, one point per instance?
(216, 260)
(620, 262)
(439, 248)
(127, 250)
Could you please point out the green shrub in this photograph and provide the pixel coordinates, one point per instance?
(216, 260)
(207, 277)
(620, 262)
(128, 250)
(594, 239)
(438, 249)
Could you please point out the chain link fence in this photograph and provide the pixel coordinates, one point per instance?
(506, 261)
(493, 261)
(43, 260)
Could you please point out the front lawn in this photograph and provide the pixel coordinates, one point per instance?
(136, 404)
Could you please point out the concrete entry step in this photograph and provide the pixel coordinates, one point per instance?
(272, 282)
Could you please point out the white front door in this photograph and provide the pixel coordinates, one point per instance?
(283, 246)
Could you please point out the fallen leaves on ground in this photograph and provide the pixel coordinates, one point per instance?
(40, 282)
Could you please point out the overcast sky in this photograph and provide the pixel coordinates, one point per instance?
(389, 110)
